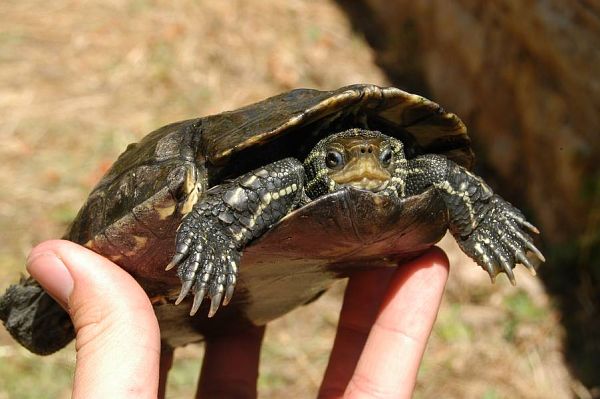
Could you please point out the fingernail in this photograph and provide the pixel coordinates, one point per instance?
(52, 274)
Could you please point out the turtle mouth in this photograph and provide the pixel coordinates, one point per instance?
(364, 173)
(373, 185)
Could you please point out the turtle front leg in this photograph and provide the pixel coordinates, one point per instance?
(487, 228)
(212, 236)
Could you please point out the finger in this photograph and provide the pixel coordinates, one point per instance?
(117, 336)
(166, 362)
(230, 365)
(362, 299)
(390, 360)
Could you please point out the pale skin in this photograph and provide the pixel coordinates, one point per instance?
(385, 322)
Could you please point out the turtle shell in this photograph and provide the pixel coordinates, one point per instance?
(132, 215)
(297, 119)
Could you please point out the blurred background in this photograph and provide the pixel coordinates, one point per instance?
(79, 80)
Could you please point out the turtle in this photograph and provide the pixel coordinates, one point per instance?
(247, 214)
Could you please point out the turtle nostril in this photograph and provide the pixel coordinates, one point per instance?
(370, 150)
(362, 150)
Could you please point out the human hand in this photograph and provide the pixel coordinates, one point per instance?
(377, 349)
(117, 335)
(384, 325)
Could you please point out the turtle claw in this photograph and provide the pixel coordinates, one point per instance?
(531, 227)
(511, 276)
(181, 249)
(170, 266)
(228, 294)
(520, 219)
(185, 288)
(506, 267)
(536, 251)
(525, 262)
(215, 302)
(206, 261)
(231, 280)
(175, 261)
(198, 298)
(498, 242)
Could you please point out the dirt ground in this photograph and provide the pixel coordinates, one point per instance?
(81, 80)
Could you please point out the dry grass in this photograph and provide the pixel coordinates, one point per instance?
(80, 80)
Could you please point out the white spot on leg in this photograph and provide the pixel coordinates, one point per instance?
(236, 198)
(250, 181)
(266, 199)
(262, 173)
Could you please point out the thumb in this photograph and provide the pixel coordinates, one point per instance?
(117, 336)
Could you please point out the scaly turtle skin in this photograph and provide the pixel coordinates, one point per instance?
(364, 162)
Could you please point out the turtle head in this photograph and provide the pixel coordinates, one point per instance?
(358, 158)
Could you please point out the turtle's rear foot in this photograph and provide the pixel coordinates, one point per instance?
(34, 319)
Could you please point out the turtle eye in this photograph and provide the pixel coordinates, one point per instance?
(334, 159)
(386, 157)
